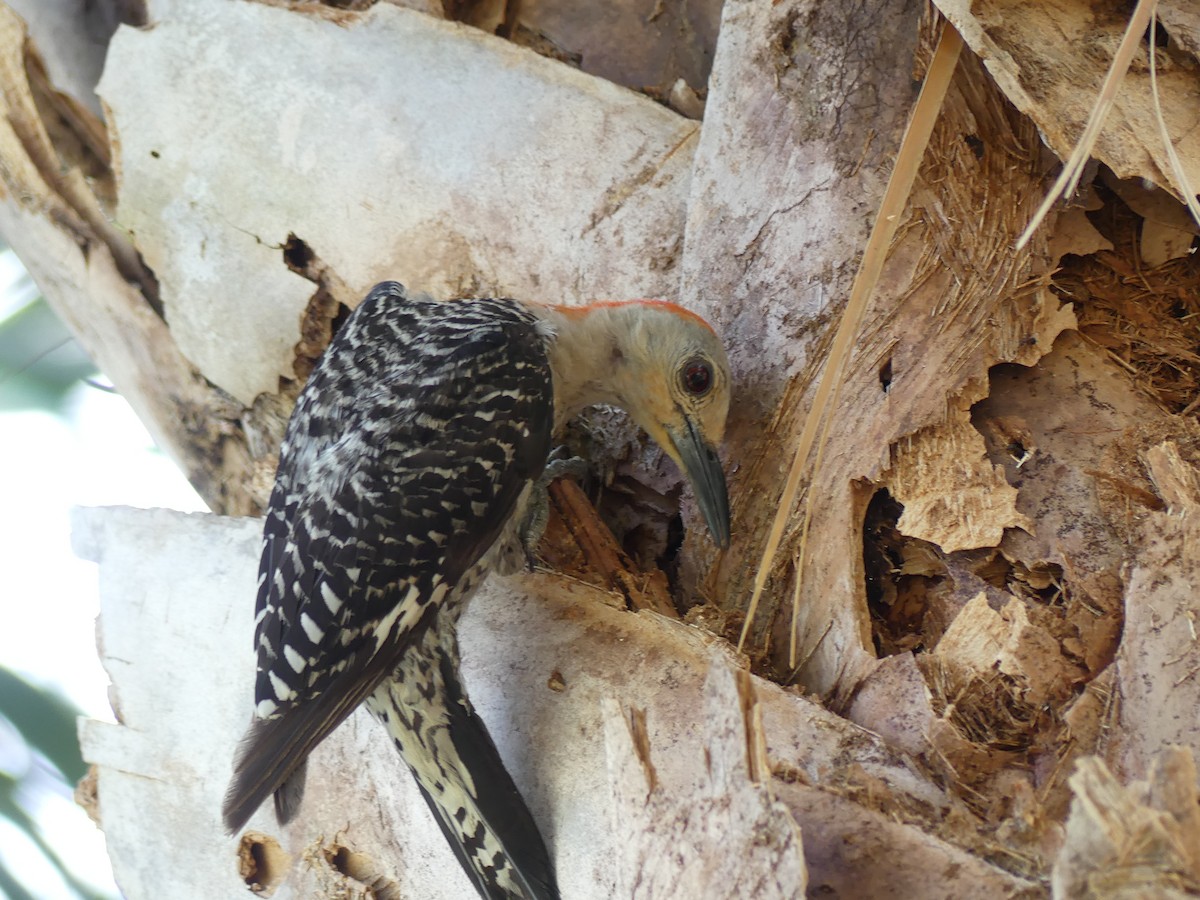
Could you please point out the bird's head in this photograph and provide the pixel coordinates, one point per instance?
(666, 367)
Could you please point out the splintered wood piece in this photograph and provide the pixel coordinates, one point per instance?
(953, 496)
(600, 552)
(1135, 840)
(1052, 60)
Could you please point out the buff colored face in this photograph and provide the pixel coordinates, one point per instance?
(677, 386)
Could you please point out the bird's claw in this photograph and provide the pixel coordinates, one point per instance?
(537, 513)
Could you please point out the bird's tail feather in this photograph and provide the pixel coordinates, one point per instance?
(463, 779)
(271, 757)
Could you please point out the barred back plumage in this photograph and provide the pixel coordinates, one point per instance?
(410, 447)
(405, 477)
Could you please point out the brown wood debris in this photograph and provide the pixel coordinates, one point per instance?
(578, 544)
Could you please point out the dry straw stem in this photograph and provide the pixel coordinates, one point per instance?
(1072, 169)
(908, 160)
(1189, 194)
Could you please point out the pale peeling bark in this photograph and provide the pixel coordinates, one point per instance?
(377, 165)
(1135, 840)
(784, 188)
(952, 302)
(725, 786)
(1030, 610)
(55, 187)
(1079, 36)
(1158, 665)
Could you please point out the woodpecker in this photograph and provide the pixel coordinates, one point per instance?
(412, 465)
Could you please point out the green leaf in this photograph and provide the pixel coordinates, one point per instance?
(46, 721)
(39, 360)
(11, 888)
(11, 809)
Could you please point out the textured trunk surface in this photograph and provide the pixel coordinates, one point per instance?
(985, 635)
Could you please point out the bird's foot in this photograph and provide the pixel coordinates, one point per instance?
(537, 513)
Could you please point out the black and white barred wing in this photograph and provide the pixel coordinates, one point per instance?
(404, 460)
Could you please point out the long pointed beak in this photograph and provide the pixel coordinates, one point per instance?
(703, 470)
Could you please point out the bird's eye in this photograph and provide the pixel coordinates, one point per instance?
(697, 378)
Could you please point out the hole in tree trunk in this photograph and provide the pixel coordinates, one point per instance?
(262, 863)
